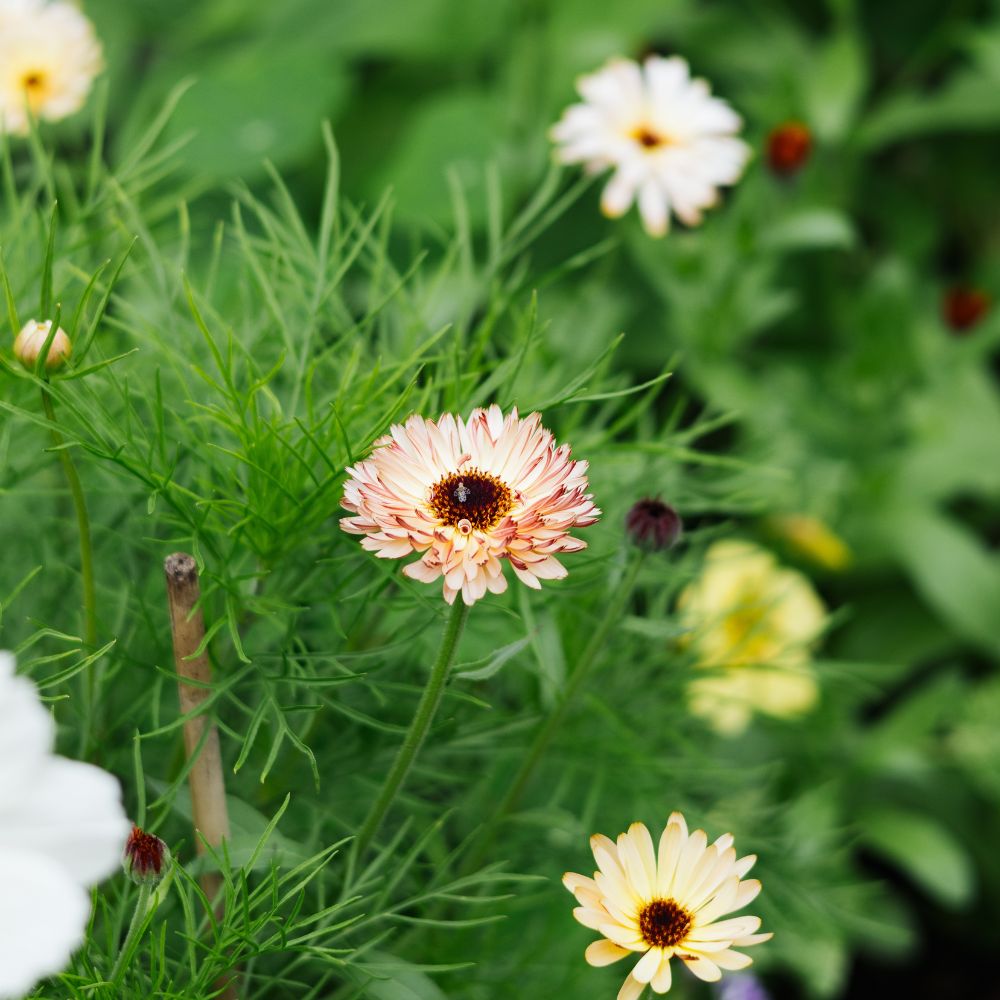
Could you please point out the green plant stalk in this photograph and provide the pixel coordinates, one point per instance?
(83, 526)
(134, 929)
(417, 732)
(86, 559)
(545, 734)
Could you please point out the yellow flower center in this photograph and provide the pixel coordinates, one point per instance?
(649, 138)
(35, 84)
(471, 499)
(664, 923)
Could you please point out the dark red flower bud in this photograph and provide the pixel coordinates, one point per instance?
(963, 307)
(146, 857)
(788, 148)
(653, 525)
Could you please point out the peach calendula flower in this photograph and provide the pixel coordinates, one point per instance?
(670, 143)
(470, 495)
(49, 56)
(660, 903)
(751, 625)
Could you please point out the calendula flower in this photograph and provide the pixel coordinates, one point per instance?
(49, 56)
(469, 495)
(62, 829)
(751, 623)
(670, 143)
(664, 902)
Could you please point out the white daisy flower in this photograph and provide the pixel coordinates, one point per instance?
(49, 56)
(62, 829)
(469, 494)
(663, 903)
(670, 143)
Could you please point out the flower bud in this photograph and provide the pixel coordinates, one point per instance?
(788, 148)
(31, 340)
(963, 308)
(147, 858)
(653, 525)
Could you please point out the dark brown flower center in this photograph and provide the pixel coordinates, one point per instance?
(663, 924)
(649, 138)
(471, 499)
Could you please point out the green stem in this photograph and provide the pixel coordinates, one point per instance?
(417, 732)
(134, 929)
(547, 731)
(83, 527)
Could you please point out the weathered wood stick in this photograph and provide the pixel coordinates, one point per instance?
(205, 778)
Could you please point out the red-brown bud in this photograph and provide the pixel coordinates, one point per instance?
(964, 307)
(788, 148)
(653, 525)
(147, 858)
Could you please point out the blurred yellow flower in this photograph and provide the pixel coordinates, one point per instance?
(812, 539)
(752, 623)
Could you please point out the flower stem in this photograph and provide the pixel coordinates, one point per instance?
(134, 928)
(82, 522)
(417, 732)
(548, 729)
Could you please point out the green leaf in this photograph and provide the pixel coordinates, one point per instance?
(923, 849)
(836, 86)
(257, 103)
(811, 229)
(967, 104)
(954, 573)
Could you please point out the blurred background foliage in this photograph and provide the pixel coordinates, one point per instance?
(815, 372)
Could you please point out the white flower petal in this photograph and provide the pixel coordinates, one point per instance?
(43, 915)
(604, 953)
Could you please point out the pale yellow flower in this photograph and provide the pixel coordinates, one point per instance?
(49, 56)
(660, 903)
(751, 625)
(811, 538)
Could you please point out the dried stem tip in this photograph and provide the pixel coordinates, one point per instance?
(208, 792)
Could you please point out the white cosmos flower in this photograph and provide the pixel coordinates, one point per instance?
(670, 143)
(62, 829)
(469, 495)
(656, 903)
(49, 56)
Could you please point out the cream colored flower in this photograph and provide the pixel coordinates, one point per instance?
(665, 902)
(62, 829)
(469, 495)
(752, 623)
(30, 341)
(49, 56)
(670, 143)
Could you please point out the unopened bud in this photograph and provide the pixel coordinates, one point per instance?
(788, 148)
(653, 525)
(31, 340)
(147, 858)
(963, 308)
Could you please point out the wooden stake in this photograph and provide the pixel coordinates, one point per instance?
(208, 788)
